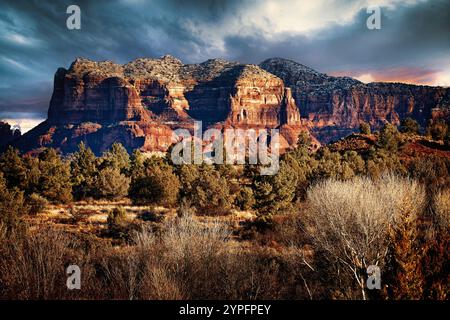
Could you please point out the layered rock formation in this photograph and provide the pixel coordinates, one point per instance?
(333, 107)
(140, 103)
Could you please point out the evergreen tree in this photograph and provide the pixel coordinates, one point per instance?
(211, 192)
(389, 138)
(188, 174)
(111, 184)
(84, 172)
(304, 165)
(276, 193)
(159, 185)
(12, 207)
(137, 167)
(303, 140)
(55, 179)
(245, 199)
(331, 165)
(117, 157)
(13, 168)
(437, 129)
(409, 125)
(380, 161)
(355, 162)
(33, 174)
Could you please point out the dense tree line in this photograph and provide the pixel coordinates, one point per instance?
(212, 189)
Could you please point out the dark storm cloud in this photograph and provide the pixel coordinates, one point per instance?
(35, 41)
(415, 35)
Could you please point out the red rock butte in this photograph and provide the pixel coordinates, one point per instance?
(140, 103)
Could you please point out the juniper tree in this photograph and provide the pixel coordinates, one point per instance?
(211, 192)
(111, 184)
(55, 179)
(12, 207)
(84, 170)
(117, 157)
(276, 192)
(437, 129)
(13, 168)
(409, 125)
(158, 185)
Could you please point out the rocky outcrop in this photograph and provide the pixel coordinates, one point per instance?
(8, 134)
(333, 107)
(141, 102)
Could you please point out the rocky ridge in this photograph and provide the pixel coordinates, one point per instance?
(333, 107)
(140, 103)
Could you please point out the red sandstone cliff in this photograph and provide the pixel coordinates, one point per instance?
(332, 107)
(140, 103)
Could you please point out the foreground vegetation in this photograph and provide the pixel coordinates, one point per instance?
(226, 232)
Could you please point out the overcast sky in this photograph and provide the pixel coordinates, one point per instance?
(413, 44)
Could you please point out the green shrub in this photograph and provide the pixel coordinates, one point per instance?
(245, 199)
(12, 207)
(111, 184)
(389, 138)
(159, 185)
(437, 129)
(409, 125)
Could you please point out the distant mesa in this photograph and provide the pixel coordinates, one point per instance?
(140, 103)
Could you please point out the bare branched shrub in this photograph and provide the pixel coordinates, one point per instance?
(185, 208)
(144, 239)
(162, 285)
(435, 249)
(441, 208)
(159, 283)
(32, 267)
(192, 252)
(349, 221)
(186, 235)
(124, 274)
(182, 262)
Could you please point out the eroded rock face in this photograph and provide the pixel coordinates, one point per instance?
(140, 103)
(333, 107)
